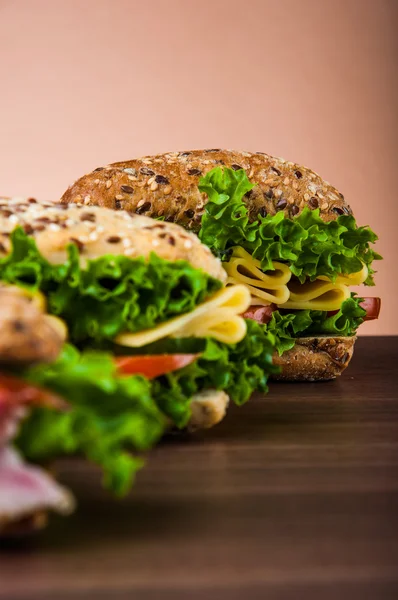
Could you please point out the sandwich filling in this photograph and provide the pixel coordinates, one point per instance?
(299, 269)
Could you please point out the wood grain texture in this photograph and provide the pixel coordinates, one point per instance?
(292, 496)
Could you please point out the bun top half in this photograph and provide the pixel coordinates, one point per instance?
(98, 231)
(167, 185)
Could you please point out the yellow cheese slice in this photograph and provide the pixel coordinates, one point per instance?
(264, 287)
(316, 295)
(277, 287)
(350, 279)
(218, 318)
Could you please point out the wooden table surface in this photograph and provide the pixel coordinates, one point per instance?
(293, 496)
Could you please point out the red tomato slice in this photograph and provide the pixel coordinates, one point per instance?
(15, 391)
(372, 307)
(259, 313)
(154, 365)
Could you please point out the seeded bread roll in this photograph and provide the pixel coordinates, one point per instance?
(315, 359)
(167, 185)
(98, 231)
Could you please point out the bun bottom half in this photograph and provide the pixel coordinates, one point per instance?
(315, 359)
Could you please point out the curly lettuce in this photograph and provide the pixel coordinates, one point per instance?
(109, 294)
(108, 416)
(285, 327)
(308, 244)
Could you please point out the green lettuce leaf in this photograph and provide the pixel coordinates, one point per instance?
(285, 327)
(109, 294)
(310, 246)
(239, 369)
(108, 416)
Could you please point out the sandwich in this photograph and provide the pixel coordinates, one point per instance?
(28, 337)
(143, 303)
(279, 229)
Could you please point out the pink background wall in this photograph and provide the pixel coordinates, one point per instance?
(89, 82)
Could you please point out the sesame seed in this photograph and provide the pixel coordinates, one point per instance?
(140, 203)
(13, 219)
(154, 186)
(286, 181)
(150, 180)
(155, 243)
(87, 199)
(100, 229)
(167, 189)
(96, 181)
(93, 237)
(132, 177)
(126, 243)
(119, 197)
(54, 227)
(188, 244)
(108, 184)
(129, 251)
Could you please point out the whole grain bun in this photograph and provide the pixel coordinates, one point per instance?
(98, 231)
(167, 185)
(315, 359)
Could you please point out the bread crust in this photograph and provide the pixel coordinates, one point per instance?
(98, 231)
(167, 185)
(315, 359)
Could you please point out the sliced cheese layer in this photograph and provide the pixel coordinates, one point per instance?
(276, 286)
(352, 278)
(217, 318)
(316, 295)
(264, 288)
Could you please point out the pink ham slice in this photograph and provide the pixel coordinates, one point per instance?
(24, 489)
